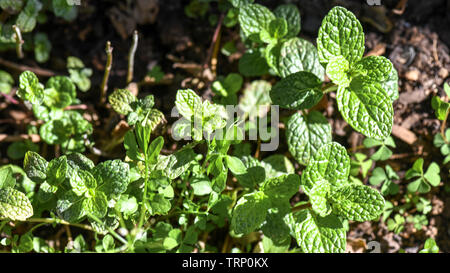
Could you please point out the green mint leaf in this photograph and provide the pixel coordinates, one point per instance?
(256, 96)
(78, 73)
(127, 204)
(176, 164)
(272, 55)
(301, 90)
(277, 165)
(57, 171)
(253, 18)
(240, 3)
(26, 20)
(249, 212)
(188, 103)
(296, 55)
(253, 64)
(29, 88)
(77, 160)
(340, 34)
(15, 205)
(59, 92)
(337, 70)
(112, 176)
(6, 82)
(69, 207)
(281, 187)
(6, 177)
(331, 163)
(319, 198)
(305, 134)
(358, 203)
(374, 68)
(292, 16)
(121, 100)
(367, 108)
(35, 166)
(96, 205)
(42, 47)
(62, 8)
(315, 234)
(277, 29)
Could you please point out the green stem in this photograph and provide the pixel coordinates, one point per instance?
(131, 57)
(144, 198)
(110, 230)
(104, 85)
(57, 221)
(19, 42)
(329, 88)
(443, 125)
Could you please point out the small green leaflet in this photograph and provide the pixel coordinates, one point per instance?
(297, 54)
(340, 34)
(337, 71)
(430, 178)
(121, 100)
(301, 90)
(305, 134)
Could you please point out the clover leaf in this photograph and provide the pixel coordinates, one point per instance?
(425, 180)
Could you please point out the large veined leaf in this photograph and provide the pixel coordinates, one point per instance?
(358, 203)
(249, 212)
(112, 176)
(292, 16)
(15, 205)
(188, 103)
(301, 90)
(331, 163)
(281, 187)
(315, 234)
(367, 108)
(340, 34)
(305, 134)
(296, 55)
(253, 18)
(121, 100)
(35, 166)
(29, 88)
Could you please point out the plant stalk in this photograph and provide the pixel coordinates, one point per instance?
(131, 56)
(104, 86)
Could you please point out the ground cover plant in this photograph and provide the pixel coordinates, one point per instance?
(240, 159)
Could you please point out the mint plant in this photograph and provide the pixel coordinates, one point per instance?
(63, 127)
(25, 15)
(153, 200)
